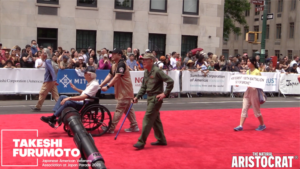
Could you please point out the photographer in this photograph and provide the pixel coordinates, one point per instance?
(28, 58)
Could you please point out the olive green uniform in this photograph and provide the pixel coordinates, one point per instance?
(153, 85)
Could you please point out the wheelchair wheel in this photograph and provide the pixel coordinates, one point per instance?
(96, 119)
(66, 128)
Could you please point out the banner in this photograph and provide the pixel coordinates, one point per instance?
(66, 76)
(136, 79)
(174, 74)
(21, 81)
(289, 84)
(215, 81)
(272, 82)
(248, 80)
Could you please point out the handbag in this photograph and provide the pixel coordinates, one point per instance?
(261, 96)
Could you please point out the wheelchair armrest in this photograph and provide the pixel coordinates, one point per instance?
(91, 97)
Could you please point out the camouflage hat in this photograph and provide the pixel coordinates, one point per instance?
(148, 56)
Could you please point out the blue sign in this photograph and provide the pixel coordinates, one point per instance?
(64, 77)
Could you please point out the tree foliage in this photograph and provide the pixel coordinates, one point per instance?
(234, 12)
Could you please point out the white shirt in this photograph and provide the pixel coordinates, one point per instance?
(298, 70)
(160, 64)
(173, 62)
(91, 88)
(39, 62)
(84, 58)
(292, 62)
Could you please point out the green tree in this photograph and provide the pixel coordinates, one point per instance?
(234, 12)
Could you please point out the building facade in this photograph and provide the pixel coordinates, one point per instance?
(161, 25)
(282, 32)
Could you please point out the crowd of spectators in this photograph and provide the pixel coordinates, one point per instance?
(30, 57)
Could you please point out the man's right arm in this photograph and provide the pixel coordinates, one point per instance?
(106, 80)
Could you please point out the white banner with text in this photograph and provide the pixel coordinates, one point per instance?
(289, 84)
(215, 81)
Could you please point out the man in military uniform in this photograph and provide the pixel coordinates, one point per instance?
(119, 77)
(153, 85)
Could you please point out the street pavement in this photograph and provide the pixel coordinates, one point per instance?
(196, 103)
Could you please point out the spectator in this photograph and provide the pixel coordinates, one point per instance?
(211, 66)
(34, 48)
(1, 51)
(131, 63)
(210, 55)
(201, 65)
(136, 53)
(93, 55)
(72, 50)
(18, 50)
(6, 55)
(190, 65)
(64, 64)
(282, 66)
(296, 59)
(160, 63)
(103, 51)
(54, 64)
(18, 65)
(270, 67)
(74, 56)
(243, 68)
(188, 57)
(222, 62)
(293, 69)
(147, 51)
(40, 62)
(51, 52)
(38, 54)
(88, 53)
(154, 53)
(179, 66)
(262, 67)
(298, 69)
(167, 65)
(8, 64)
(128, 51)
(215, 59)
(83, 52)
(140, 63)
(60, 50)
(173, 59)
(104, 64)
(80, 65)
(27, 58)
(92, 63)
(99, 55)
(14, 58)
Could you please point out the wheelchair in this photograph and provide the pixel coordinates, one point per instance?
(95, 118)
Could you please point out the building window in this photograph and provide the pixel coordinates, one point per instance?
(236, 51)
(256, 29)
(188, 43)
(256, 6)
(190, 7)
(278, 31)
(290, 54)
(277, 53)
(85, 39)
(47, 37)
(225, 52)
(245, 51)
(266, 53)
(292, 27)
(124, 4)
(236, 36)
(246, 30)
(267, 31)
(157, 42)
(280, 6)
(269, 6)
(87, 3)
(48, 1)
(122, 40)
(158, 5)
(293, 4)
(247, 13)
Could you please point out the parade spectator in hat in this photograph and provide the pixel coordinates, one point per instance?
(188, 58)
(104, 64)
(64, 64)
(80, 64)
(190, 65)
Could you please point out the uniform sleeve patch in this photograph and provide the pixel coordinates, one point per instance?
(121, 69)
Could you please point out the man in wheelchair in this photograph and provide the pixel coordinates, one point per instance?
(76, 102)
